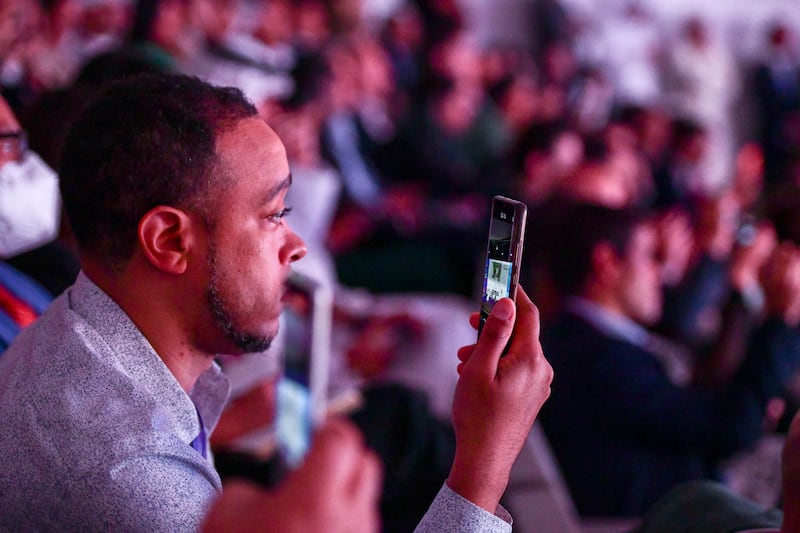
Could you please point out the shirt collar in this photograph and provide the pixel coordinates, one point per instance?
(136, 357)
(608, 322)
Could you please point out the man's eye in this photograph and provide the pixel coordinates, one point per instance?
(278, 217)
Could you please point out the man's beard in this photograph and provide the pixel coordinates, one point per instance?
(223, 317)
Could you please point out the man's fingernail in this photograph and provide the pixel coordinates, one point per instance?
(503, 311)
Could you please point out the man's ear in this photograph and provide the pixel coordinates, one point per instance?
(605, 262)
(165, 236)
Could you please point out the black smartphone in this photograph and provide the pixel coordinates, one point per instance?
(503, 253)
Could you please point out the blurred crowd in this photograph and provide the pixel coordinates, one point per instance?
(400, 126)
(420, 123)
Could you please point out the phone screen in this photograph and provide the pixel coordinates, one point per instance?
(502, 262)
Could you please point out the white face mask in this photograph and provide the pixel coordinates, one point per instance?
(30, 205)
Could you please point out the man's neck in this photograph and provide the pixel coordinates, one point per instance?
(186, 365)
(146, 301)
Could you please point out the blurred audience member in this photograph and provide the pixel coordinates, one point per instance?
(163, 32)
(313, 26)
(593, 101)
(30, 211)
(560, 75)
(345, 138)
(456, 141)
(546, 154)
(271, 40)
(601, 179)
(623, 420)
(218, 60)
(631, 45)
(777, 89)
(18, 27)
(71, 33)
(404, 39)
(681, 174)
(702, 82)
(693, 302)
(551, 24)
(653, 130)
(516, 95)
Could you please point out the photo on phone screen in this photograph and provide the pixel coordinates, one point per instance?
(503, 253)
(303, 391)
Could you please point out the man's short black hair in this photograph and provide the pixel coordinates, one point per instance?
(145, 141)
(581, 228)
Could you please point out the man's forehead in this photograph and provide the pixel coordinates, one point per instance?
(253, 156)
(251, 133)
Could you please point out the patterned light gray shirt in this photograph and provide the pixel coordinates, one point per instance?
(96, 431)
(451, 513)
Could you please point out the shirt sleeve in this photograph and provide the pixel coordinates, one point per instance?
(454, 513)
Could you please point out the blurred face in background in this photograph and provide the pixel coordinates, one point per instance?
(175, 29)
(107, 18)
(215, 17)
(458, 59)
(559, 64)
(638, 278)
(456, 110)
(345, 78)
(545, 170)
(520, 104)
(377, 80)
(597, 183)
(405, 29)
(654, 131)
(567, 152)
(347, 14)
(275, 22)
(312, 24)
(300, 132)
(17, 19)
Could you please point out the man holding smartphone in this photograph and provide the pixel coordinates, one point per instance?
(175, 191)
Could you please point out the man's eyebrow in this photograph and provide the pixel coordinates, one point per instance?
(277, 189)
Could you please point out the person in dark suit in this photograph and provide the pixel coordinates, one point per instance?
(624, 420)
(776, 84)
